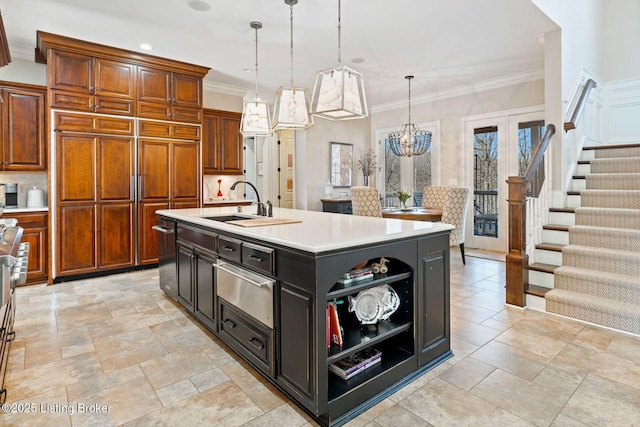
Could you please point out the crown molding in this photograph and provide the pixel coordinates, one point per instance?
(22, 52)
(511, 80)
(223, 88)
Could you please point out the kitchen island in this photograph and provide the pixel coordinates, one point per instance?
(266, 291)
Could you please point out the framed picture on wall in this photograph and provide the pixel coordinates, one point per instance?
(341, 164)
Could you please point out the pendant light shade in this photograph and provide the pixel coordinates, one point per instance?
(339, 92)
(409, 140)
(292, 109)
(255, 113)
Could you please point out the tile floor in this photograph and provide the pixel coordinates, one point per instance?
(117, 342)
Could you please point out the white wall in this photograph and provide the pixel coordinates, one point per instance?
(621, 53)
(22, 71)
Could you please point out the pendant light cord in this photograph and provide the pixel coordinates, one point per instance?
(339, 34)
(409, 78)
(256, 28)
(291, 45)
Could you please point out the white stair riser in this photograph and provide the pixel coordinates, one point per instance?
(540, 278)
(548, 257)
(535, 302)
(588, 155)
(562, 218)
(579, 184)
(554, 236)
(573, 201)
(583, 170)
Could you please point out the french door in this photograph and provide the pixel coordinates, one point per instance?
(495, 147)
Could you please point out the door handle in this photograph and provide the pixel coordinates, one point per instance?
(256, 343)
(229, 323)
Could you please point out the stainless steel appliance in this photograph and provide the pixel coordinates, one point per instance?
(9, 195)
(167, 256)
(250, 292)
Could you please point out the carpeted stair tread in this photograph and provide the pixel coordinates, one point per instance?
(605, 237)
(602, 259)
(615, 165)
(613, 181)
(618, 151)
(608, 217)
(605, 285)
(625, 199)
(602, 311)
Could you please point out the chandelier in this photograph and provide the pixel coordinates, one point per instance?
(292, 104)
(409, 140)
(339, 92)
(255, 113)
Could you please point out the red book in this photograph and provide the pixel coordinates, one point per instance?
(336, 335)
(328, 325)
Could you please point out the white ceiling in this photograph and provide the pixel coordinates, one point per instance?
(444, 44)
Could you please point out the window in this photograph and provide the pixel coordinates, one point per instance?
(401, 172)
(485, 181)
(529, 136)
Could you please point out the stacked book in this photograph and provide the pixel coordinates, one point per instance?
(356, 275)
(356, 363)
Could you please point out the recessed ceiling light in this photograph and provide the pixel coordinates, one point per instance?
(146, 46)
(357, 60)
(199, 5)
(247, 70)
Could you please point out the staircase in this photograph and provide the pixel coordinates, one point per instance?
(589, 266)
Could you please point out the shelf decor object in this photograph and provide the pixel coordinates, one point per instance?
(409, 140)
(374, 304)
(255, 113)
(292, 107)
(338, 93)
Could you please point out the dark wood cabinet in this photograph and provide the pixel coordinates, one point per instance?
(34, 226)
(222, 146)
(23, 142)
(87, 83)
(167, 95)
(342, 206)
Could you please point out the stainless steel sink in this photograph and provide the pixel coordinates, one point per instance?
(233, 217)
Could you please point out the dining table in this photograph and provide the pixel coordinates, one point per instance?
(415, 214)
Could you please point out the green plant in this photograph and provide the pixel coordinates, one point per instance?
(403, 196)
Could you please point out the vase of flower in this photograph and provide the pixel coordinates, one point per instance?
(367, 165)
(403, 196)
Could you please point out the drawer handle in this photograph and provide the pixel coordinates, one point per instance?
(256, 343)
(255, 258)
(228, 249)
(229, 323)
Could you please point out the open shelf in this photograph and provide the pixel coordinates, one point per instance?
(356, 339)
(340, 290)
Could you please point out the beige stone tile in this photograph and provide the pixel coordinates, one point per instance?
(533, 402)
(209, 379)
(472, 332)
(82, 315)
(96, 296)
(511, 359)
(101, 381)
(470, 312)
(127, 323)
(489, 299)
(371, 413)
(282, 415)
(560, 377)
(467, 373)
(594, 338)
(601, 402)
(119, 404)
(41, 410)
(31, 324)
(399, 416)
(496, 324)
(55, 345)
(218, 352)
(52, 301)
(625, 347)
(38, 379)
(510, 315)
(176, 366)
(176, 392)
(16, 358)
(256, 387)
(564, 421)
(460, 349)
(175, 334)
(225, 402)
(126, 349)
(443, 404)
(531, 340)
(419, 382)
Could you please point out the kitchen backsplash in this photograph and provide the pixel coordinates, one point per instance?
(210, 187)
(25, 182)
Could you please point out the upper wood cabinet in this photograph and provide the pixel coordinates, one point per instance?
(167, 95)
(84, 83)
(22, 140)
(221, 143)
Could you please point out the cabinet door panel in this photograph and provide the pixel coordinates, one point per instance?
(148, 237)
(24, 129)
(205, 288)
(185, 114)
(154, 85)
(116, 169)
(123, 107)
(154, 111)
(185, 176)
(185, 276)
(153, 158)
(72, 72)
(71, 100)
(116, 235)
(115, 79)
(76, 239)
(187, 90)
(34, 226)
(211, 161)
(76, 167)
(231, 146)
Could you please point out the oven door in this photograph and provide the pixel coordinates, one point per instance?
(167, 256)
(250, 292)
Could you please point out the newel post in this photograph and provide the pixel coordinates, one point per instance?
(517, 260)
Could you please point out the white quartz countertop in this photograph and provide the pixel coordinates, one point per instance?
(226, 201)
(25, 209)
(318, 232)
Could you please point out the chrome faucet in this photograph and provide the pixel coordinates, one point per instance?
(262, 210)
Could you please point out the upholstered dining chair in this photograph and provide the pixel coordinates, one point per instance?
(453, 201)
(365, 201)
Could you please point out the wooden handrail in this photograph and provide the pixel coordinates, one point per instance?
(517, 260)
(582, 101)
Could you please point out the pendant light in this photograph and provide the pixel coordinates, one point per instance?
(292, 104)
(409, 140)
(339, 92)
(255, 113)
